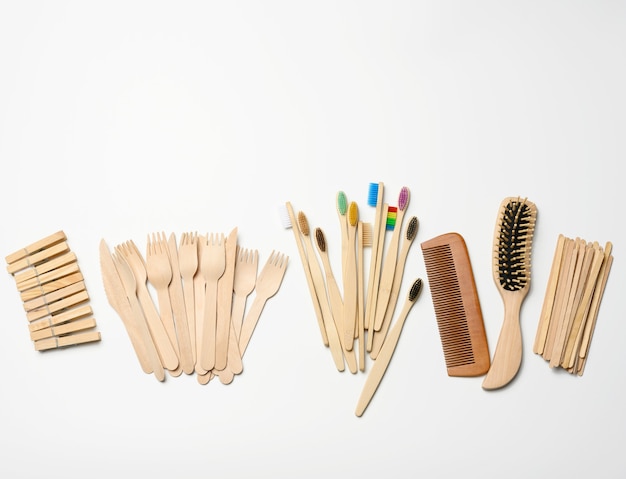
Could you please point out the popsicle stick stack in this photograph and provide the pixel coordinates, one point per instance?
(184, 304)
(53, 292)
(575, 288)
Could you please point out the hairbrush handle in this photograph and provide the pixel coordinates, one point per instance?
(508, 355)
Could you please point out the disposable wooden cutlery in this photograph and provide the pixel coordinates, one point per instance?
(267, 285)
(224, 302)
(212, 267)
(245, 280)
(133, 258)
(179, 309)
(188, 263)
(121, 291)
(159, 271)
(130, 285)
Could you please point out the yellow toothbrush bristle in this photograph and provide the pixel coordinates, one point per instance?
(353, 214)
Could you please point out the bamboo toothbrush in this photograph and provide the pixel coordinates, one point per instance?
(350, 280)
(342, 210)
(389, 263)
(379, 336)
(288, 219)
(380, 365)
(334, 342)
(336, 303)
(389, 213)
(364, 239)
(375, 199)
(511, 271)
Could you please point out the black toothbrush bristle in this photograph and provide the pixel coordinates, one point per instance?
(415, 290)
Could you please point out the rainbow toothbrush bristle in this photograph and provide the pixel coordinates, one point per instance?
(392, 214)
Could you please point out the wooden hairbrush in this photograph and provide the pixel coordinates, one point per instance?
(457, 307)
(512, 246)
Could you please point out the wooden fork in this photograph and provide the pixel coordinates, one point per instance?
(177, 297)
(213, 266)
(133, 257)
(159, 272)
(188, 264)
(267, 285)
(246, 269)
(139, 321)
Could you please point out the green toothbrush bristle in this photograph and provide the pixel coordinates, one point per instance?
(342, 203)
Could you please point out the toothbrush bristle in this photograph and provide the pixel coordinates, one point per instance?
(366, 234)
(284, 216)
(321, 239)
(403, 199)
(342, 203)
(372, 197)
(353, 214)
(303, 223)
(392, 214)
(411, 229)
(415, 290)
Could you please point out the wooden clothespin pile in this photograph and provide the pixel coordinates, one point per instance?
(53, 292)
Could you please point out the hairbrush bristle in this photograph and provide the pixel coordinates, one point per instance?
(366, 234)
(342, 203)
(513, 242)
(353, 214)
(303, 223)
(411, 229)
(392, 214)
(415, 290)
(321, 239)
(403, 199)
(372, 196)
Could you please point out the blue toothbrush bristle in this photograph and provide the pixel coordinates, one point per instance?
(372, 197)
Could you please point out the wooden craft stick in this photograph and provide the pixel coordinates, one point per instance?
(70, 340)
(561, 297)
(36, 246)
(595, 306)
(575, 335)
(550, 297)
(67, 328)
(572, 303)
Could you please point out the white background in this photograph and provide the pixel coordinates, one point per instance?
(118, 119)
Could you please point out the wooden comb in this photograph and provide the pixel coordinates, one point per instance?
(457, 307)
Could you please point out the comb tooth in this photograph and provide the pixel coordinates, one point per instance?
(457, 309)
